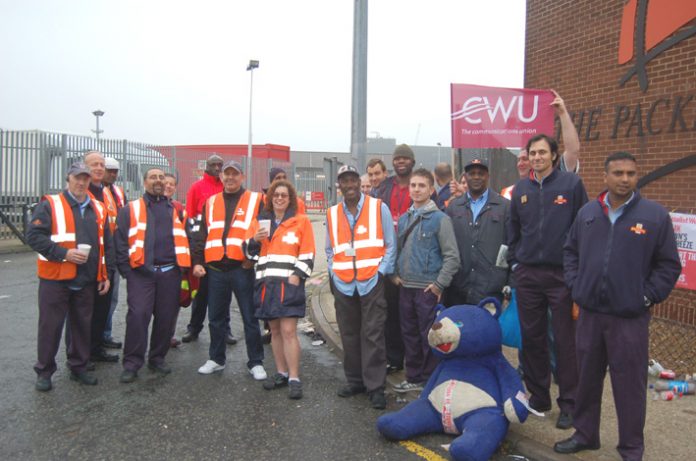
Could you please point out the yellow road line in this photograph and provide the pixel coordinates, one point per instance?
(421, 451)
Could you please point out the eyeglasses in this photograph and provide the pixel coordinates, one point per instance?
(280, 195)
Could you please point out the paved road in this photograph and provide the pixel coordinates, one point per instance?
(184, 415)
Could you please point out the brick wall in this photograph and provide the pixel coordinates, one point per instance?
(572, 47)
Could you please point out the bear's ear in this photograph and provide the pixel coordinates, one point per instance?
(492, 305)
(439, 308)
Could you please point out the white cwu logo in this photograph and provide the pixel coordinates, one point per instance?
(290, 238)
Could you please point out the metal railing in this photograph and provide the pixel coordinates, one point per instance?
(34, 163)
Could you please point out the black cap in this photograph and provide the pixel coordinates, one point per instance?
(345, 169)
(476, 162)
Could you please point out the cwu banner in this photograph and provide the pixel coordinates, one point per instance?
(486, 117)
(685, 234)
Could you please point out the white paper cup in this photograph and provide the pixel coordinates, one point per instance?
(84, 248)
(265, 224)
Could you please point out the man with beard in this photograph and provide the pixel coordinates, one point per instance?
(361, 251)
(196, 197)
(394, 193)
(480, 219)
(151, 251)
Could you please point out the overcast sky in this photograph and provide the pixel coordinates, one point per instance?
(174, 72)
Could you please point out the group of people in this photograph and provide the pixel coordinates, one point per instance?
(257, 246)
(585, 272)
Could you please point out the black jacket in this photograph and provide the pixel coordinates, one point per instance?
(611, 268)
(479, 243)
(540, 216)
(39, 239)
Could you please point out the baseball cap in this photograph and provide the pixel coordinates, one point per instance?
(476, 162)
(232, 164)
(78, 168)
(111, 163)
(215, 158)
(345, 169)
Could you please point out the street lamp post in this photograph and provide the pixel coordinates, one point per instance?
(253, 64)
(98, 113)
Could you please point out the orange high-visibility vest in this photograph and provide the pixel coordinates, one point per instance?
(110, 206)
(366, 242)
(63, 233)
(120, 196)
(136, 236)
(247, 209)
(291, 248)
(507, 192)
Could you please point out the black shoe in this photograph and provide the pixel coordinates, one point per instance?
(378, 400)
(89, 367)
(394, 368)
(103, 356)
(43, 384)
(84, 378)
(275, 381)
(349, 391)
(111, 343)
(159, 368)
(295, 391)
(266, 338)
(230, 340)
(564, 421)
(570, 445)
(540, 408)
(189, 337)
(128, 376)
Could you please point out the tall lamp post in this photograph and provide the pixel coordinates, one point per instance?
(253, 64)
(98, 113)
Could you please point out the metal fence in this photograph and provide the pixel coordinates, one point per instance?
(34, 163)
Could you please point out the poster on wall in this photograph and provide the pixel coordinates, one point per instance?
(685, 233)
(488, 117)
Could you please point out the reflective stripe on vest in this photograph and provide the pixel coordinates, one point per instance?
(290, 249)
(247, 208)
(120, 196)
(63, 234)
(366, 240)
(136, 236)
(111, 208)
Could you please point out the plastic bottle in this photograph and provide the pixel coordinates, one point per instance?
(678, 387)
(654, 367)
(664, 395)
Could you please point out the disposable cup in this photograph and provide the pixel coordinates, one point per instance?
(265, 224)
(84, 248)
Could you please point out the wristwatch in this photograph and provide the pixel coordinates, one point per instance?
(647, 302)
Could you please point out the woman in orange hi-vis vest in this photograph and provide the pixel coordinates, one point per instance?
(281, 242)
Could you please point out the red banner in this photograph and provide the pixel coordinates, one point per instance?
(488, 117)
(685, 234)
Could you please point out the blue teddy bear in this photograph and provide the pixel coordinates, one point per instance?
(474, 392)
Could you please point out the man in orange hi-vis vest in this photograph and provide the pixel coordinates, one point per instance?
(70, 233)
(217, 251)
(151, 251)
(361, 250)
(98, 190)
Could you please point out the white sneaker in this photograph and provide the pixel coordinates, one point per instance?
(405, 386)
(210, 367)
(258, 372)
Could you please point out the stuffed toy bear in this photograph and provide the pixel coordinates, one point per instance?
(474, 392)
